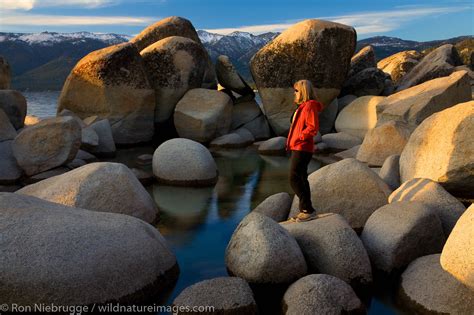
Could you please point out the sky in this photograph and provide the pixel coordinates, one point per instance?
(407, 19)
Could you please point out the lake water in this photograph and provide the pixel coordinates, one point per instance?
(198, 222)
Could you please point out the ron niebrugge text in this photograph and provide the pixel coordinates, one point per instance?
(106, 308)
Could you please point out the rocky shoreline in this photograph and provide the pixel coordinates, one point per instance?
(397, 133)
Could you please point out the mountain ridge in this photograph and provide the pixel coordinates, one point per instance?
(42, 61)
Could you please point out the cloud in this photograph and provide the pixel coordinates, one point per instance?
(65, 20)
(363, 22)
(31, 4)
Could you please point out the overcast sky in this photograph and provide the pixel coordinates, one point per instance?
(415, 20)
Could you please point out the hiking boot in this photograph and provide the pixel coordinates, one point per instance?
(306, 216)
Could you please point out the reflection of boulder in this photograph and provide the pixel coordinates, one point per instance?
(186, 207)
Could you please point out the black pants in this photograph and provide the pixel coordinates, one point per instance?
(299, 161)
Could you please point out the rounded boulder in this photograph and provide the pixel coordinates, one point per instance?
(103, 186)
(184, 162)
(256, 244)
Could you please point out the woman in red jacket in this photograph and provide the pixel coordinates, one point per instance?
(304, 126)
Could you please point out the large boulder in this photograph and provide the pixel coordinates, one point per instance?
(340, 140)
(276, 206)
(106, 145)
(425, 288)
(399, 64)
(382, 141)
(10, 172)
(244, 112)
(232, 140)
(321, 294)
(112, 83)
(345, 100)
(7, 131)
(105, 187)
(45, 175)
(415, 104)
(174, 65)
(229, 78)
(54, 254)
(370, 81)
(175, 26)
(441, 149)
(203, 115)
(348, 188)
(170, 26)
(390, 171)
(273, 146)
(256, 244)
(48, 144)
(327, 117)
(332, 247)
(400, 232)
(13, 103)
(359, 116)
(349, 153)
(226, 295)
(365, 58)
(184, 162)
(457, 257)
(5, 74)
(259, 128)
(432, 194)
(438, 63)
(316, 50)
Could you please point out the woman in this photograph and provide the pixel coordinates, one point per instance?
(304, 126)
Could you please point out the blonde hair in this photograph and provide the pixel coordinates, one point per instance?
(304, 91)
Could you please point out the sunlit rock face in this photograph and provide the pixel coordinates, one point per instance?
(415, 104)
(438, 63)
(399, 64)
(112, 83)
(174, 65)
(359, 116)
(175, 26)
(441, 149)
(429, 192)
(457, 257)
(315, 50)
(170, 26)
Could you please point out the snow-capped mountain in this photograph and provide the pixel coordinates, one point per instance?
(208, 38)
(51, 38)
(43, 60)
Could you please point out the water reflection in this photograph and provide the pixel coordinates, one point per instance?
(182, 208)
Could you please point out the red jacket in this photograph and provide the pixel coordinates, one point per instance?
(304, 127)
